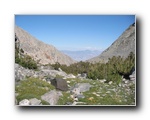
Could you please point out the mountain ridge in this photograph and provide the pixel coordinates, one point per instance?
(120, 47)
(40, 51)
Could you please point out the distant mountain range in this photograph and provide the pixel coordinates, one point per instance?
(121, 47)
(82, 55)
(40, 51)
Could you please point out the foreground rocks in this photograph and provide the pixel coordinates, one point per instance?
(77, 91)
(60, 84)
(51, 97)
(33, 101)
(21, 73)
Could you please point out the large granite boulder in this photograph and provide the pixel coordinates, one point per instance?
(51, 97)
(76, 91)
(60, 84)
(83, 86)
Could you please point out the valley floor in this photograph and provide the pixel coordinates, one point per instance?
(94, 92)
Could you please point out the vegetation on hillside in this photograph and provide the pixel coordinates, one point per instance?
(113, 70)
(24, 60)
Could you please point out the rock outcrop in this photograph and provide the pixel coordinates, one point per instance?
(21, 73)
(121, 47)
(39, 51)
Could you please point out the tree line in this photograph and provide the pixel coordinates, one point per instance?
(113, 70)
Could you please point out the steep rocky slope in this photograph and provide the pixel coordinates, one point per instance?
(121, 47)
(41, 52)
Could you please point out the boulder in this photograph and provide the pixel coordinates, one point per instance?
(132, 76)
(21, 72)
(35, 101)
(24, 102)
(51, 97)
(83, 86)
(79, 88)
(110, 82)
(60, 84)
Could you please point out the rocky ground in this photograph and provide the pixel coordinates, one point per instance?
(50, 87)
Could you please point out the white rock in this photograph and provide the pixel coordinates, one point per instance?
(110, 82)
(24, 102)
(76, 99)
(35, 101)
(126, 82)
(123, 79)
(97, 95)
(49, 82)
(44, 79)
(119, 85)
(108, 92)
(68, 81)
(60, 69)
(72, 96)
(103, 80)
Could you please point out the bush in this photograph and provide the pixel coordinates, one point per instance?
(111, 71)
(25, 60)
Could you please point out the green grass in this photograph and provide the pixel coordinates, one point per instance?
(103, 93)
(64, 99)
(99, 94)
(32, 88)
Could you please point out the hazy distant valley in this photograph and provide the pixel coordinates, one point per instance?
(82, 55)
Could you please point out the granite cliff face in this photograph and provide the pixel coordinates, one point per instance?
(39, 51)
(121, 47)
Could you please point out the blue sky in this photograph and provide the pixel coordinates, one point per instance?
(76, 32)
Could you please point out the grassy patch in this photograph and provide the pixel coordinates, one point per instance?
(64, 99)
(105, 93)
(99, 94)
(32, 88)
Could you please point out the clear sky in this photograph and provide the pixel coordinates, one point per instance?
(76, 32)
